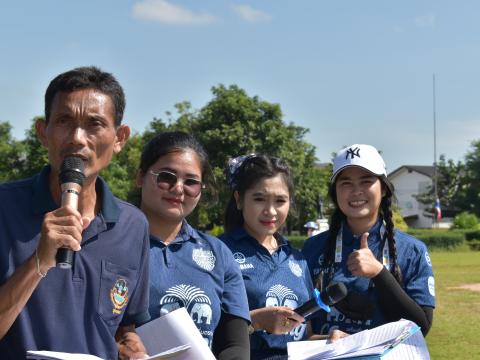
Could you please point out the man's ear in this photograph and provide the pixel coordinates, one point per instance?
(238, 200)
(121, 138)
(40, 128)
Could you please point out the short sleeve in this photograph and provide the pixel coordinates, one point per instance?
(234, 298)
(419, 281)
(137, 308)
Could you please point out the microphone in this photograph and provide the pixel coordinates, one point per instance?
(332, 294)
(71, 182)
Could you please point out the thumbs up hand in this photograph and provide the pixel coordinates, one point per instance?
(362, 262)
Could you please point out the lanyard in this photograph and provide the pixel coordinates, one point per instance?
(339, 248)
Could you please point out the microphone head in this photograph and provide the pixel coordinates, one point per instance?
(72, 170)
(334, 293)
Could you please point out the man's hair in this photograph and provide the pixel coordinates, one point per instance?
(88, 77)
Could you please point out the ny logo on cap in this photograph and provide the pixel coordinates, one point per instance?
(352, 153)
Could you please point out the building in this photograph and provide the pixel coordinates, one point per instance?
(411, 180)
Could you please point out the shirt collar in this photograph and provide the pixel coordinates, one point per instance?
(186, 233)
(348, 236)
(240, 234)
(43, 202)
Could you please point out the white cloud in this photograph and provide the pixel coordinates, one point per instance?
(250, 14)
(425, 21)
(167, 13)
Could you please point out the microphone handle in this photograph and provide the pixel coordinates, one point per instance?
(70, 192)
(307, 308)
(64, 258)
(312, 305)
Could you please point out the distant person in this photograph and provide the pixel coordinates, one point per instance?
(93, 307)
(189, 268)
(312, 228)
(275, 274)
(387, 272)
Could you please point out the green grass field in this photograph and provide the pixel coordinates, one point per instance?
(455, 333)
(456, 323)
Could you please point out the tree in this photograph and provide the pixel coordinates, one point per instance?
(233, 124)
(468, 198)
(449, 177)
(11, 153)
(35, 154)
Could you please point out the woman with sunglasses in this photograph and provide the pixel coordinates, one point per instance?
(275, 274)
(387, 272)
(187, 267)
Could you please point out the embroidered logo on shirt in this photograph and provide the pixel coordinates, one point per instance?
(240, 259)
(279, 295)
(295, 268)
(194, 299)
(119, 296)
(204, 258)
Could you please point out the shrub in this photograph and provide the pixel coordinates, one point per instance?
(472, 235)
(474, 245)
(465, 220)
(439, 238)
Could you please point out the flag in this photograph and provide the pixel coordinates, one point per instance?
(438, 210)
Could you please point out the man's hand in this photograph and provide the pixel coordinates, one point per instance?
(130, 346)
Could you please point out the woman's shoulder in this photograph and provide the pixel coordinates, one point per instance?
(408, 240)
(316, 240)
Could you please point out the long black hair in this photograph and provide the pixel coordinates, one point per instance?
(385, 211)
(253, 169)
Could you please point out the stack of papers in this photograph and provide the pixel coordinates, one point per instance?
(397, 340)
(49, 355)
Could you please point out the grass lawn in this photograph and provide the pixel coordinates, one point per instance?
(455, 333)
(456, 321)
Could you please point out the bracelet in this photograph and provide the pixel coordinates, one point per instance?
(37, 261)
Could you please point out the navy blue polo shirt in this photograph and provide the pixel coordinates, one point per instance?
(196, 271)
(412, 258)
(77, 310)
(278, 279)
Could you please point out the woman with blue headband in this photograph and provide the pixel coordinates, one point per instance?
(275, 274)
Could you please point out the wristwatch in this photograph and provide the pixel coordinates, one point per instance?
(251, 329)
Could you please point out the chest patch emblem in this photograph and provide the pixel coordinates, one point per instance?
(295, 268)
(119, 296)
(204, 258)
(239, 257)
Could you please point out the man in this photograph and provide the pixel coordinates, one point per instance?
(94, 306)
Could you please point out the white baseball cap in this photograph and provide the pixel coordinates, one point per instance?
(361, 155)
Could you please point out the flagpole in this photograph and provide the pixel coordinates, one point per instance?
(434, 149)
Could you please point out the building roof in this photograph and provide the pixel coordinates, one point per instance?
(427, 170)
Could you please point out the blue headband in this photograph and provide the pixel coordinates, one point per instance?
(232, 169)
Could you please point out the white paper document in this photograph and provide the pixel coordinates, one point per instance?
(55, 355)
(175, 329)
(397, 340)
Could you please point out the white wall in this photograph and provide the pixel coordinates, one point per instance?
(406, 185)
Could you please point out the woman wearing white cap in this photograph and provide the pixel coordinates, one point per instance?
(388, 273)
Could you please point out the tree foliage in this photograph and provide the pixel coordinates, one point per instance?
(468, 198)
(449, 178)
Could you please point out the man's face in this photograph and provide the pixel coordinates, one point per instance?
(82, 124)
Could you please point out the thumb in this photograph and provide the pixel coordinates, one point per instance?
(364, 241)
(85, 222)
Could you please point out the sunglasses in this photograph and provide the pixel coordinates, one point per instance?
(166, 180)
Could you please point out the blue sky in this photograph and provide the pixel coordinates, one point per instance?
(351, 71)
